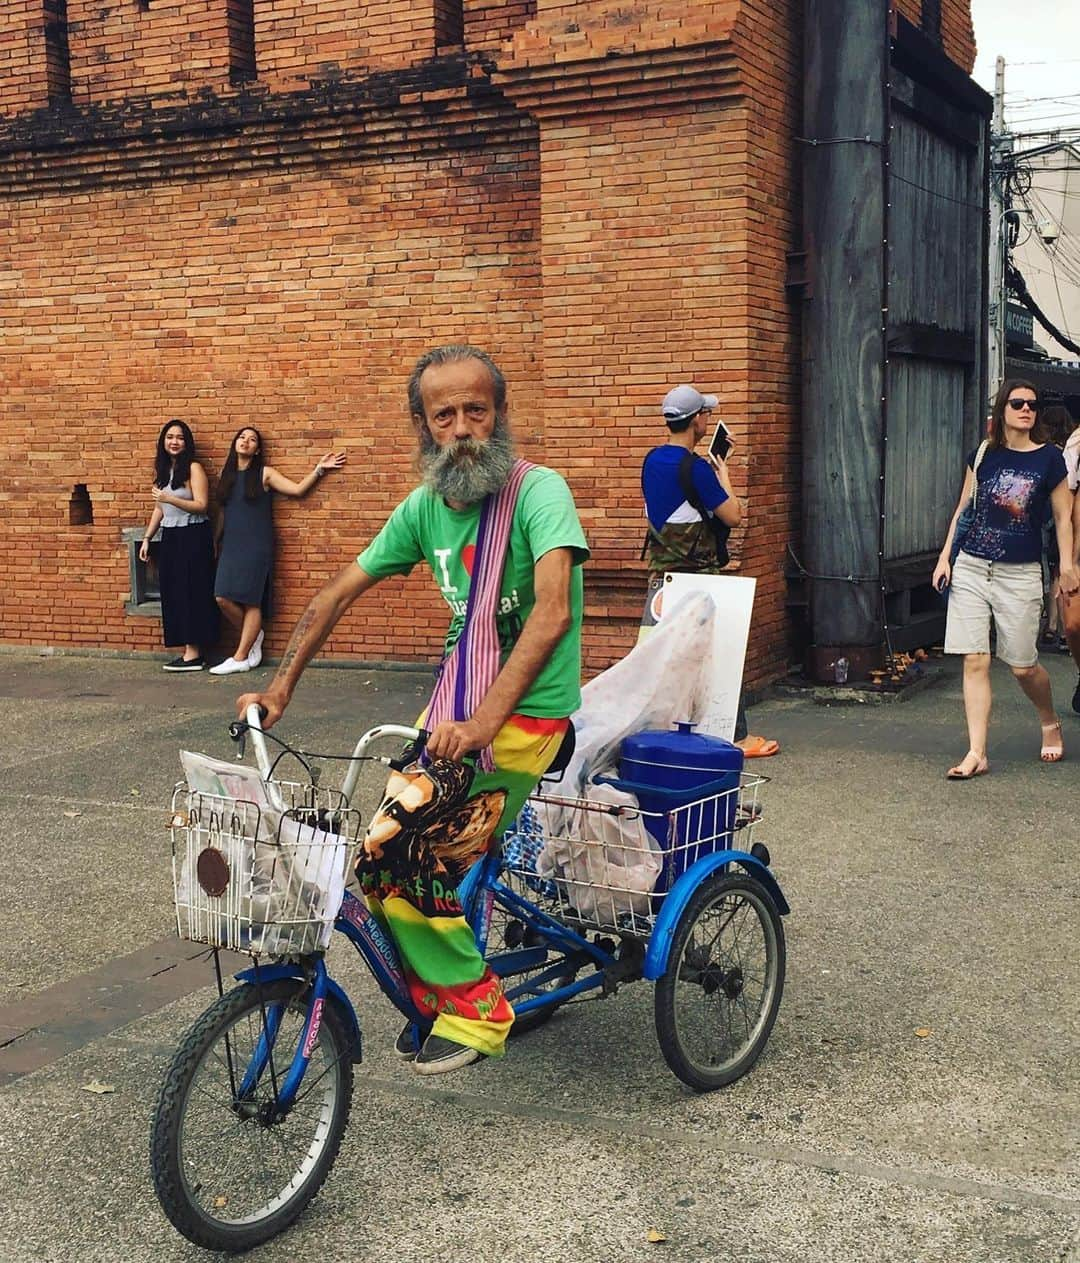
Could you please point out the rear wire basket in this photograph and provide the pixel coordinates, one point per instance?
(607, 867)
(260, 881)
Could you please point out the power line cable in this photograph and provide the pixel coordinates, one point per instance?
(1019, 287)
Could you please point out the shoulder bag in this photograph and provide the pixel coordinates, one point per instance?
(966, 519)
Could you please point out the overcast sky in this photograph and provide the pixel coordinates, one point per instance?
(1040, 41)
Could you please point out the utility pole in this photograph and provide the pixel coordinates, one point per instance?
(1001, 146)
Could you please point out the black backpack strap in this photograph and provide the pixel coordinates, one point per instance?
(719, 531)
(686, 482)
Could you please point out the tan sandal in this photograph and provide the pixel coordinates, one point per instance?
(1052, 753)
(957, 773)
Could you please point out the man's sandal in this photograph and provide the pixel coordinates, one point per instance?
(1056, 752)
(962, 773)
(758, 747)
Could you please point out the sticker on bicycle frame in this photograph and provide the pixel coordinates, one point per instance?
(353, 911)
(313, 1028)
(212, 869)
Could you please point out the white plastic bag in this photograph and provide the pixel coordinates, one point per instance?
(604, 864)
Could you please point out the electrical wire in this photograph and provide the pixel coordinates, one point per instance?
(1019, 287)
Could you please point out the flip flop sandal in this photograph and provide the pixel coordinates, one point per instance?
(758, 747)
(1052, 753)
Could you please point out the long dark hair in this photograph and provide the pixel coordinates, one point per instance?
(997, 414)
(166, 473)
(253, 475)
(1056, 420)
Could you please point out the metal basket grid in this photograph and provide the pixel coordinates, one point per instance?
(274, 886)
(579, 859)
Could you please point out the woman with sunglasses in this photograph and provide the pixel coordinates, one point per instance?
(998, 571)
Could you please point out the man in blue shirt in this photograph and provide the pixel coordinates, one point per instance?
(680, 539)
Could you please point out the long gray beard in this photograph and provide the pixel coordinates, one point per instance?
(465, 471)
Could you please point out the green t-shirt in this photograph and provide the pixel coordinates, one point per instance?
(423, 527)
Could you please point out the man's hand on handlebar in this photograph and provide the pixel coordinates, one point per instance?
(272, 706)
(454, 741)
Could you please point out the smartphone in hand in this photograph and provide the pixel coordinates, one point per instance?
(721, 442)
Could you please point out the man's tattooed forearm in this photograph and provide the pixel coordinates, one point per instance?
(299, 631)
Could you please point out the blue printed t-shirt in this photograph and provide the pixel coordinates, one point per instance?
(424, 527)
(664, 498)
(1011, 502)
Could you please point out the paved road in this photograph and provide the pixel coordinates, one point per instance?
(916, 905)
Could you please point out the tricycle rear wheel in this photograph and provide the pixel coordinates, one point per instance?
(718, 998)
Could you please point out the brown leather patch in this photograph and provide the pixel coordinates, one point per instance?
(212, 870)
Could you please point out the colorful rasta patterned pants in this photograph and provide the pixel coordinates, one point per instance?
(433, 824)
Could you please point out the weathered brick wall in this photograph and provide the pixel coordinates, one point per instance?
(957, 33)
(120, 49)
(490, 23)
(610, 218)
(24, 77)
(192, 299)
(297, 41)
(667, 210)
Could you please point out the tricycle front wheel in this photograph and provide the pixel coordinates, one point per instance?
(230, 1169)
(718, 998)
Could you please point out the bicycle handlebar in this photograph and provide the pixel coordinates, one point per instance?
(252, 722)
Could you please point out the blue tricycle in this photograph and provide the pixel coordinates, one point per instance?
(584, 895)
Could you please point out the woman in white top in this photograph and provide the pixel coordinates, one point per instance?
(181, 494)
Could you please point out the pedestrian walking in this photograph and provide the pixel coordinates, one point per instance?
(181, 495)
(246, 540)
(997, 572)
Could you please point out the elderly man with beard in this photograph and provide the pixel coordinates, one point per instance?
(435, 822)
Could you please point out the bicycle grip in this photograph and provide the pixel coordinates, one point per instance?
(411, 751)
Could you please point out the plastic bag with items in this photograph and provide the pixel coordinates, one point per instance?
(661, 681)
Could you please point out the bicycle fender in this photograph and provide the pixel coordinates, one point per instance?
(271, 973)
(675, 901)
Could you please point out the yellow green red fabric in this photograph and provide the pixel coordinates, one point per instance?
(434, 823)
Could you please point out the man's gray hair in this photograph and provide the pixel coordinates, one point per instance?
(450, 355)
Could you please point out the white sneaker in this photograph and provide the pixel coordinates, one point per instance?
(255, 656)
(229, 666)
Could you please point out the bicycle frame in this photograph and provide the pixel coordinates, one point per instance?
(480, 890)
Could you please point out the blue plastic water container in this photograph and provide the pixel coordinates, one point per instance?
(666, 770)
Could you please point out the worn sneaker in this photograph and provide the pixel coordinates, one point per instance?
(438, 1056)
(229, 666)
(185, 664)
(1076, 698)
(405, 1045)
(255, 656)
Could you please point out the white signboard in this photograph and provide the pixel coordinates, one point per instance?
(734, 600)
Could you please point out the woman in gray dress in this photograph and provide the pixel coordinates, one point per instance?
(246, 557)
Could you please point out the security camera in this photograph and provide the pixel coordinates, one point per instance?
(1048, 231)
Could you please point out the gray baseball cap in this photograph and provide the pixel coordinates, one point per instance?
(684, 402)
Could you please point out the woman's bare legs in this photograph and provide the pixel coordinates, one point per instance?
(977, 700)
(1036, 684)
(247, 621)
(249, 632)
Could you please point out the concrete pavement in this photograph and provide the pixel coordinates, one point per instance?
(916, 905)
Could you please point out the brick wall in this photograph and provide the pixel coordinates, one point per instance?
(191, 300)
(957, 33)
(120, 49)
(24, 74)
(602, 193)
(297, 41)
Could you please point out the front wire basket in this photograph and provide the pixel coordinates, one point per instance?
(605, 866)
(261, 881)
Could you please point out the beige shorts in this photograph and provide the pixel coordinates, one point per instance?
(1011, 592)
